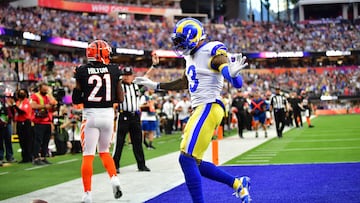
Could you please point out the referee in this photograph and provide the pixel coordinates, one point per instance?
(129, 122)
(279, 105)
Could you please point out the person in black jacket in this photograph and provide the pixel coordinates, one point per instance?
(238, 103)
(296, 106)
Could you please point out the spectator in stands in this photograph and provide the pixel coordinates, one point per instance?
(240, 36)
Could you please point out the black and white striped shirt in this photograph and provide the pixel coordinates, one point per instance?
(278, 102)
(131, 98)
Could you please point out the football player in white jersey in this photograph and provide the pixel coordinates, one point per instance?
(207, 64)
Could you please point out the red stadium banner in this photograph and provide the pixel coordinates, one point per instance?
(98, 7)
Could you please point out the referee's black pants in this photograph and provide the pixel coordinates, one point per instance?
(279, 115)
(129, 123)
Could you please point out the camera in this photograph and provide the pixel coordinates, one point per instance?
(58, 93)
(74, 120)
(77, 112)
(58, 90)
(58, 120)
(77, 115)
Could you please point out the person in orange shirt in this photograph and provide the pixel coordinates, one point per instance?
(23, 113)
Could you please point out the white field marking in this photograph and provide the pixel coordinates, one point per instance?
(261, 155)
(343, 130)
(67, 161)
(266, 151)
(321, 148)
(35, 167)
(329, 140)
(323, 136)
(329, 133)
(3, 173)
(258, 160)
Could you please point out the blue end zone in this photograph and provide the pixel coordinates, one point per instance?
(298, 183)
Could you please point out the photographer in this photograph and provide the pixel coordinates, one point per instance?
(61, 136)
(23, 113)
(5, 130)
(67, 131)
(43, 105)
(73, 128)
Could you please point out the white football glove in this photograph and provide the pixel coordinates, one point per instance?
(236, 64)
(146, 82)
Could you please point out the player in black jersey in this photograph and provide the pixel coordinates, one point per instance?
(98, 87)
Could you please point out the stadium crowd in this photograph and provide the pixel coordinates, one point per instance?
(239, 36)
(336, 81)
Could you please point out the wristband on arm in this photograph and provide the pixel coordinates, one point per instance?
(235, 81)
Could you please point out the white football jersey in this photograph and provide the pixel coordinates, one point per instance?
(205, 83)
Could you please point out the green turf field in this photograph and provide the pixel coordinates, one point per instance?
(334, 139)
(17, 179)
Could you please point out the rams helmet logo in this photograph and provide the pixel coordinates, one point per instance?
(187, 33)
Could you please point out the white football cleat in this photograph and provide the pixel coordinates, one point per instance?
(86, 197)
(115, 183)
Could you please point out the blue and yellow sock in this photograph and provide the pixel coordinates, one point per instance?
(211, 171)
(192, 177)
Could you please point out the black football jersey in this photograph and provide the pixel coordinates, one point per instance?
(98, 82)
(239, 102)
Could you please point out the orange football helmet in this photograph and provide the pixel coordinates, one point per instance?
(99, 50)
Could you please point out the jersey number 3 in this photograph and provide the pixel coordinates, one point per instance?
(105, 80)
(194, 81)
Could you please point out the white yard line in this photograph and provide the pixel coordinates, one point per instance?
(320, 148)
(67, 161)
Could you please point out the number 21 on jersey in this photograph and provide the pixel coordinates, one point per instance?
(95, 95)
